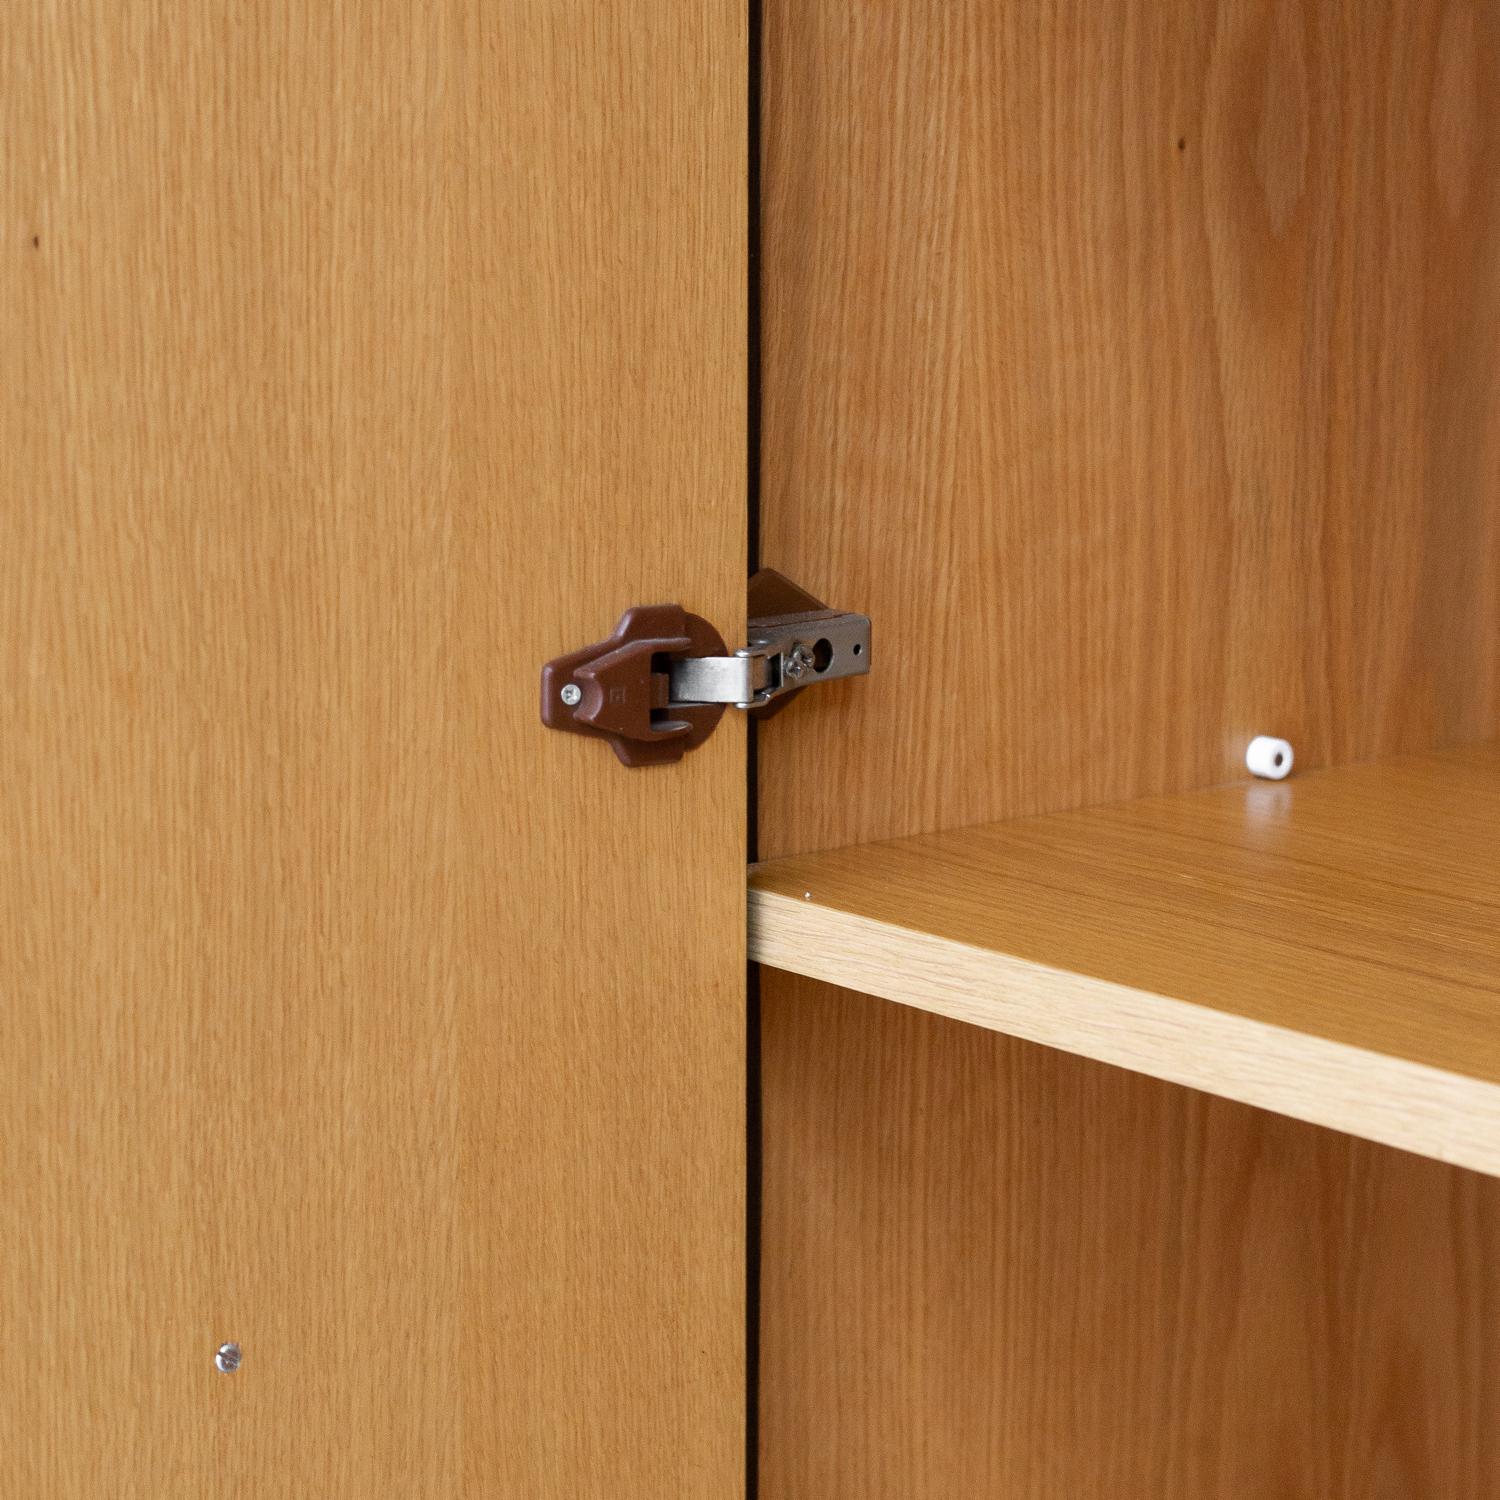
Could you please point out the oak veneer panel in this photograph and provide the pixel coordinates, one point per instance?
(1135, 366)
(1328, 947)
(338, 336)
(993, 1269)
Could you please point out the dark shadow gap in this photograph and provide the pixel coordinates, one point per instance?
(752, 975)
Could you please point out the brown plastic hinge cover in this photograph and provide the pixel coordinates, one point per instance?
(617, 689)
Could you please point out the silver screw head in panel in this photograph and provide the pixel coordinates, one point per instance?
(572, 694)
(227, 1360)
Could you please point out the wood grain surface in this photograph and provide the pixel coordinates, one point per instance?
(1328, 947)
(1135, 367)
(359, 358)
(993, 1269)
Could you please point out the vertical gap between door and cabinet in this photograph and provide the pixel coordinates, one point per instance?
(752, 971)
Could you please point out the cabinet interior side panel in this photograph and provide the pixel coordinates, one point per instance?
(1137, 367)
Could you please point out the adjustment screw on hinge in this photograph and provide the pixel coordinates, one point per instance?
(797, 662)
(572, 695)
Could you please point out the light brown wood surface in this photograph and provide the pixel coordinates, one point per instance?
(1135, 366)
(357, 360)
(1132, 450)
(1328, 947)
(993, 1269)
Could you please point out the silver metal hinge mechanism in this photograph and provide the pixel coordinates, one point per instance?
(785, 653)
(658, 686)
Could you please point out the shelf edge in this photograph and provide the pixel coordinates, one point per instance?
(1393, 1101)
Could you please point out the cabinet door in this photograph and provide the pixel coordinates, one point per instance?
(359, 358)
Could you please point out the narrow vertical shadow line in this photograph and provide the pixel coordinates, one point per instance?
(752, 976)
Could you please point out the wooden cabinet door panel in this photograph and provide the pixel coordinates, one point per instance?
(359, 358)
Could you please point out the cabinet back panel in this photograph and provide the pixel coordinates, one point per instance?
(1137, 366)
(995, 1270)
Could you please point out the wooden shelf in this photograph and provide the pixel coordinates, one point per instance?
(1327, 947)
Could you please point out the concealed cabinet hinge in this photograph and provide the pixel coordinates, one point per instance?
(658, 686)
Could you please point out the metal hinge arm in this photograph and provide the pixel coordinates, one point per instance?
(784, 653)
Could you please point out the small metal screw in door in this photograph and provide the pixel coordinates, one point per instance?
(227, 1360)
